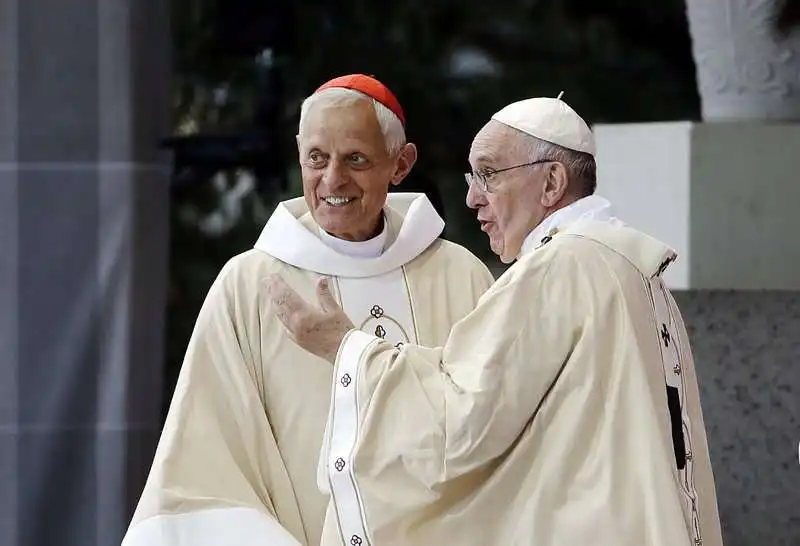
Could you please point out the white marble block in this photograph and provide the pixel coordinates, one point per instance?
(725, 195)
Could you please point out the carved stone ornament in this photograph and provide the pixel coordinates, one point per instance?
(744, 71)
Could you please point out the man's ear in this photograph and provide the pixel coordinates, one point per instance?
(556, 184)
(405, 162)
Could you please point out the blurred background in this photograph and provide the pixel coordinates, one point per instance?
(143, 143)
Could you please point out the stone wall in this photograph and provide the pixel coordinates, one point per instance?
(747, 353)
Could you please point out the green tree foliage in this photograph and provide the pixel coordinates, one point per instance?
(452, 64)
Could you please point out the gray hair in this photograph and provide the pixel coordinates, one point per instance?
(394, 133)
(580, 166)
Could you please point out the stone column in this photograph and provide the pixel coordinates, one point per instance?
(743, 71)
(83, 263)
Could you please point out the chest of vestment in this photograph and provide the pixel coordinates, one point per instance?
(380, 305)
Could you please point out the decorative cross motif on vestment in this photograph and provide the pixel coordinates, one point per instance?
(665, 335)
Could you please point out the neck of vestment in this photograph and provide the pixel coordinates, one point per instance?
(592, 207)
(592, 218)
(292, 236)
(371, 248)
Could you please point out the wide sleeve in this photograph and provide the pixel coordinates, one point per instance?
(404, 422)
(216, 461)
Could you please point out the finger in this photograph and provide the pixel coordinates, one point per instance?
(285, 300)
(274, 280)
(325, 297)
(277, 289)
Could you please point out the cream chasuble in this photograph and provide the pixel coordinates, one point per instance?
(563, 411)
(237, 461)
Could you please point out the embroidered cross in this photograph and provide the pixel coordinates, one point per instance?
(665, 335)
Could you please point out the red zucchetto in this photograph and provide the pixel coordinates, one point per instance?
(370, 87)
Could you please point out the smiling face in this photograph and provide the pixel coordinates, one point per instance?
(518, 199)
(347, 169)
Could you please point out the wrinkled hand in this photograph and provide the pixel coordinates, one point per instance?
(318, 330)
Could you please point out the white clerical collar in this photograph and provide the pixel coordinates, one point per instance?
(371, 248)
(592, 207)
(290, 235)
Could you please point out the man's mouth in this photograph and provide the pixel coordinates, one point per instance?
(338, 201)
(485, 225)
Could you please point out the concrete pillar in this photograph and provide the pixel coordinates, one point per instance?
(724, 195)
(743, 71)
(83, 263)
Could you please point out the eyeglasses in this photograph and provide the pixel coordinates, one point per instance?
(482, 179)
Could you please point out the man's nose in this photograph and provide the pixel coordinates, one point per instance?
(335, 175)
(475, 197)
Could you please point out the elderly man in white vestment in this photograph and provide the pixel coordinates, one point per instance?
(563, 411)
(237, 461)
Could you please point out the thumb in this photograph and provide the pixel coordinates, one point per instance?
(325, 296)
